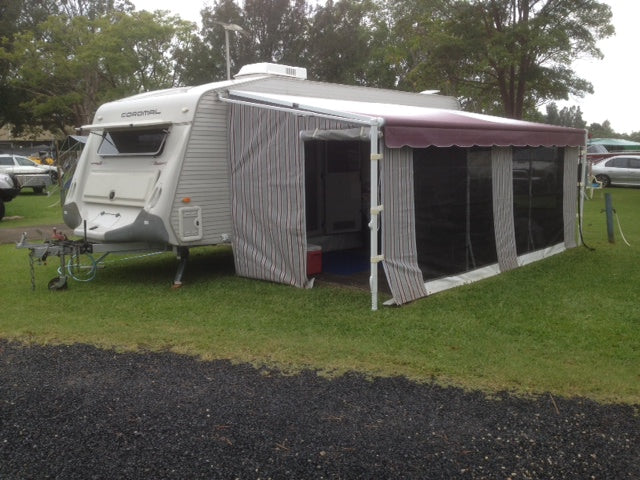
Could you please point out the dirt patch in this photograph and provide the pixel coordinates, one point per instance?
(34, 234)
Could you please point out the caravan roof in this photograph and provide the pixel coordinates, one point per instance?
(177, 105)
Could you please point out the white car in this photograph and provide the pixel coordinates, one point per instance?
(618, 170)
(27, 172)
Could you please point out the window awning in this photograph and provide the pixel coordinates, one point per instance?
(420, 127)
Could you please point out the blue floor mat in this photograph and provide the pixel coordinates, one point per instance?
(345, 262)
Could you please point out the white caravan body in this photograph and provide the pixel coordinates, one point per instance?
(155, 168)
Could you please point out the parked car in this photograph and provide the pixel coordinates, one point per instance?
(8, 191)
(27, 172)
(618, 170)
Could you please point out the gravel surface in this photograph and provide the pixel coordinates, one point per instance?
(77, 412)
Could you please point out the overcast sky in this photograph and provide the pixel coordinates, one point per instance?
(614, 78)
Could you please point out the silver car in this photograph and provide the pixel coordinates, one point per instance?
(27, 172)
(618, 170)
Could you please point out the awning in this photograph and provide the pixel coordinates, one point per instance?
(615, 144)
(125, 125)
(420, 127)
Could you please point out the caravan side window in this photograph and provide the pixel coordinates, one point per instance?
(140, 141)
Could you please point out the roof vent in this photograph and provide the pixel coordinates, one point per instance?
(272, 69)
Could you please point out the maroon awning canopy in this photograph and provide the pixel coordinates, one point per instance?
(446, 128)
(419, 127)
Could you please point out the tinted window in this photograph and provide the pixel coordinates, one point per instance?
(25, 162)
(6, 161)
(622, 162)
(634, 163)
(147, 142)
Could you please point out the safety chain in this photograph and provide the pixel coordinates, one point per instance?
(142, 255)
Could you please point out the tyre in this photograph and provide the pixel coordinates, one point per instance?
(58, 283)
(38, 189)
(604, 180)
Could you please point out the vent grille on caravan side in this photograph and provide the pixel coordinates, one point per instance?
(272, 69)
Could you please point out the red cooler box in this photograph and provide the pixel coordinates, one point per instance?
(314, 260)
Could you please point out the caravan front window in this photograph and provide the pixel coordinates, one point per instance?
(140, 141)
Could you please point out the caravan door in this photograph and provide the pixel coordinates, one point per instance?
(334, 186)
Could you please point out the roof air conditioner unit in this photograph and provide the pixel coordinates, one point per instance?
(272, 69)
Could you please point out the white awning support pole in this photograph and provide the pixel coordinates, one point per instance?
(585, 177)
(375, 210)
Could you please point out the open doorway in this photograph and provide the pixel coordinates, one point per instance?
(337, 193)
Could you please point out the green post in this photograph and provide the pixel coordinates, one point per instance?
(608, 208)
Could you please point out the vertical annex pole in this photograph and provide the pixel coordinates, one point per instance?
(375, 210)
(585, 176)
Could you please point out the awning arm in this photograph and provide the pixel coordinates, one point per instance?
(256, 100)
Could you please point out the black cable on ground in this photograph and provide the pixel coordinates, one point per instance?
(580, 219)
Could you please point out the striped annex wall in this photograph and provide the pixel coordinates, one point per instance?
(571, 194)
(268, 192)
(398, 226)
(503, 222)
(205, 171)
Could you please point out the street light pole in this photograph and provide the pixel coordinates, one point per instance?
(229, 27)
(226, 42)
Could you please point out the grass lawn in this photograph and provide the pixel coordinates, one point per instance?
(569, 325)
(32, 209)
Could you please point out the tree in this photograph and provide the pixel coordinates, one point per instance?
(205, 60)
(67, 66)
(501, 56)
(343, 41)
(17, 16)
(634, 136)
(603, 130)
(566, 117)
(274, 31)
(92, 9)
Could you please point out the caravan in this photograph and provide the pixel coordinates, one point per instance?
(274, 163)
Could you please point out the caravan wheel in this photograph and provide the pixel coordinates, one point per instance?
(58, 283)
(604, 180)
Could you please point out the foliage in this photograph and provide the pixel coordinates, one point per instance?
(60, 70)
(502, 56)
(342, 43)
(60, 60)
(603, 130)
(91, 9)
(275, 31)
(566, 117)
(272, 31)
